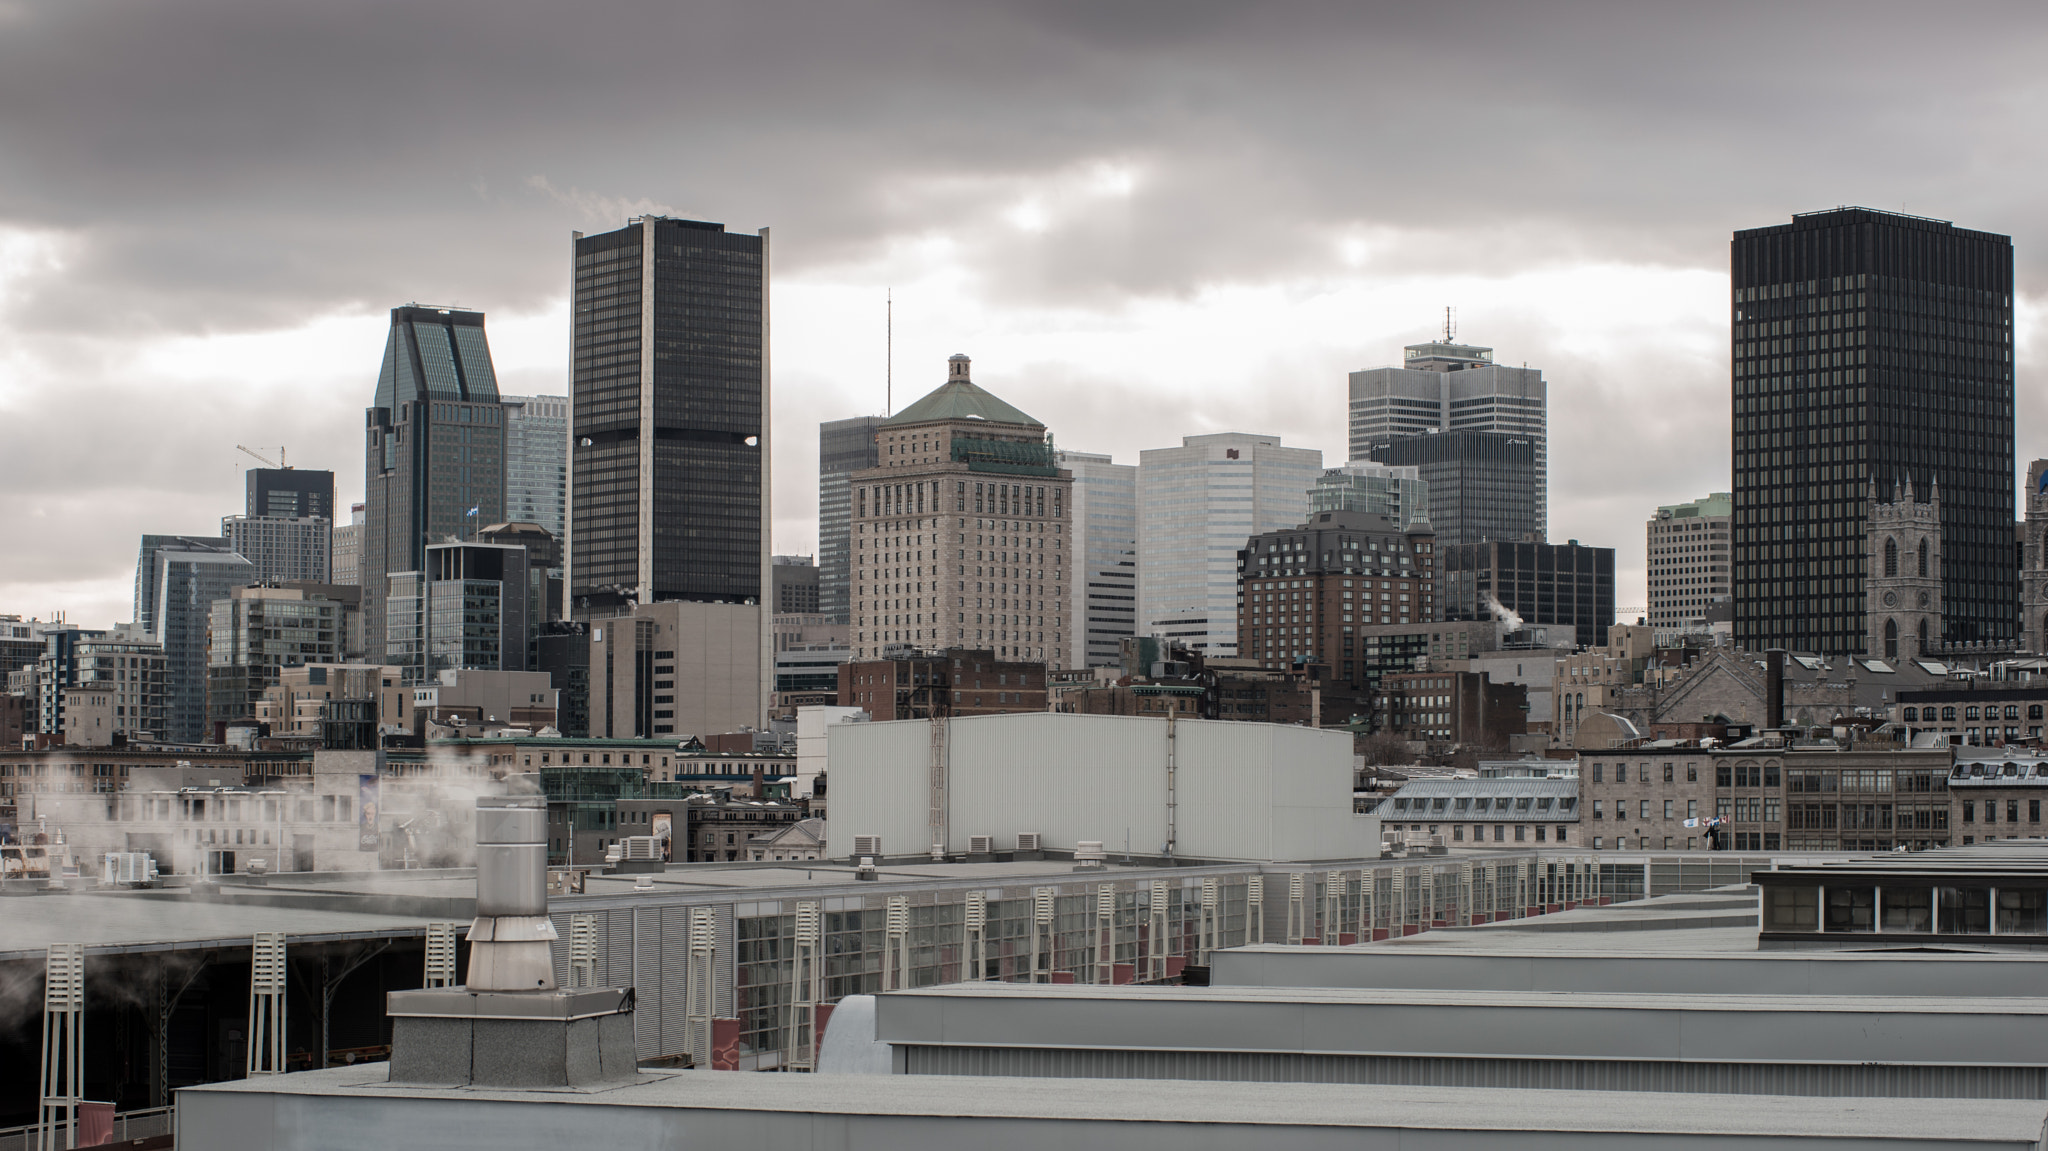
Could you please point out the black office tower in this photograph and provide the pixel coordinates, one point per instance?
(290, 493)
(1483, 486)
(1567, 588)
(434, 462)
(1869, 347)
(668, 417)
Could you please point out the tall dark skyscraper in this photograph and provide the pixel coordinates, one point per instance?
(1869, 347)
(844, 447)
(668, 417)
(290, 493)
(1483, 486)
(434, 465)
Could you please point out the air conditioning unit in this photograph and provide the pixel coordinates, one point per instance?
(981, 844)
(643, 847)
(867, 846)
(1027, 841)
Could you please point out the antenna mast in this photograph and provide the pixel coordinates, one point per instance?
(889, 353)
(1447, 324)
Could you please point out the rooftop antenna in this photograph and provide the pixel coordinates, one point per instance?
(1447, 324)
(889, 352)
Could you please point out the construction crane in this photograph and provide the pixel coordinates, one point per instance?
(280, 457)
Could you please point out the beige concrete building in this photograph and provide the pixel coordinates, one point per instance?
(298, 703)
(963, 532)
(1687, 549)
(679, 668)
(88, 714)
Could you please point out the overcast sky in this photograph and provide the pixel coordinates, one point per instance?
(1142, 220)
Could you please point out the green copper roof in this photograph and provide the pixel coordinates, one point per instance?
(959, 399)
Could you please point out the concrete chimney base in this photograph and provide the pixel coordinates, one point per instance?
(455, 1036)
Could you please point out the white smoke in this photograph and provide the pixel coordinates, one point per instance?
(1509, 620)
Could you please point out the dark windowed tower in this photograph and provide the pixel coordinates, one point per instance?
(669, 417)
(844, 447)
(290, 493)
(434, 466)
(1483, 486)
(1869, 348)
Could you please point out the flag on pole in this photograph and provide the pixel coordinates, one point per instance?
(473, 510)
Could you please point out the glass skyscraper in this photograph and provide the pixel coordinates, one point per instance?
(537, 460)
(844, 447)
(1482, 485)
(1197, 506)
(1102, 608)
(1869, 347)
(1445, 387)
(669, 417)
(434, 464)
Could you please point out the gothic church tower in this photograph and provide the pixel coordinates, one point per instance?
(1902, 604)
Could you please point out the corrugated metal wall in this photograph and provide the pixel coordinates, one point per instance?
(1549, 1074)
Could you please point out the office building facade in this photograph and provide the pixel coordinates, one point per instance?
(434, 465)
(537, 460)
(679, 668)
(793, 582)
(282, 549)
(189, 578)
(1197, 505)
(289, 493)
(125, 660)
(469, 608)
(1566, 587)
(844, 447)
(1311, 590)
(1442, 387)
(962, 531)
(345, 549)
(1103, 605)
(254, 634)
(1869, 347)
(1688, 550)
(1397, 492)
(669, 417)
(146, 569)
(1482, 485)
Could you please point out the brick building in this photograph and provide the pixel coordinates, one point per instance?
(1306, 592)
(959, 681)
(1453, 707)
(962, 532)
(1769, 796)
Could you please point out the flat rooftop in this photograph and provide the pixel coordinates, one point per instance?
(698, 1108)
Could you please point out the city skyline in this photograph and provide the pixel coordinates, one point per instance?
(1081, 261)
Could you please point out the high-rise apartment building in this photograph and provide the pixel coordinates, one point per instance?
(434, 466)
(1687, 547)
(146, 569)
(189, 577)
(1103, 604)
(1560, 586)
(844, 447)
(256, 632)
(1869, 347)
(669, 418)
(537, 460)
(1311, 590)
(347, 549)
(282, 549)
(1446, 387)
(1397, 492)
(962, 530)
(289, 493)
(1482, 485)
(1197, 505)
(126, 660)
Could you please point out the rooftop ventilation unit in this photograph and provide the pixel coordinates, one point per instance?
(1027, 841)
(981, 844)
(866, 846)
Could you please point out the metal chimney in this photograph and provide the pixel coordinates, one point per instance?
(508, 941)
(510, 1026)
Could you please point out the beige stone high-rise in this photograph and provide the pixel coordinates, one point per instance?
(962, 532)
